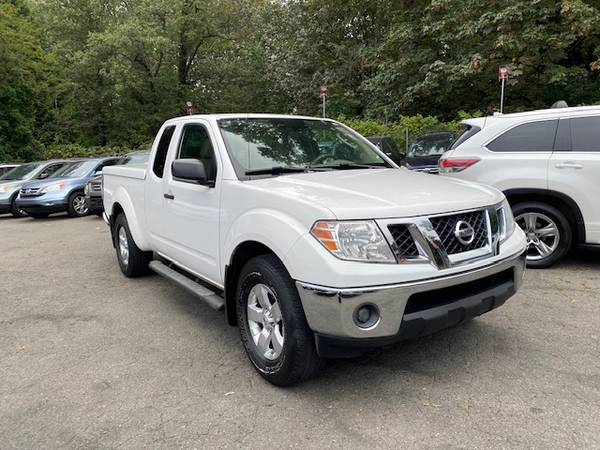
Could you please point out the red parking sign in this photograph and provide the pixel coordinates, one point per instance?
(323, 89)
(503, 73)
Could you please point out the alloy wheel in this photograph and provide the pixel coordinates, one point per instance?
(543, 235)
(79, 205)
(265, 321)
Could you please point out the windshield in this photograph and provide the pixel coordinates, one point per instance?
(135, 158)
(21, 173)
(258, 144)
(431, 145)
(76, 169)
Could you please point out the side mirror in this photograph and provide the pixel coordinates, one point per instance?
(189, 170)
(402, 154)
(43, 175)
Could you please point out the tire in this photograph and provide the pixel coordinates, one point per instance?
(77, 205)
(548, 232)
(38, 215)
(132, 261)
(99, 213)
(14, 209)
(288, 360)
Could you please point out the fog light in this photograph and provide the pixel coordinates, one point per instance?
(366, 316)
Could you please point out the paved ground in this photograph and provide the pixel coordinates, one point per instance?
(90, 359)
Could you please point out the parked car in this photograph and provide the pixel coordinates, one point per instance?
(425, 151)
(64, 193)
(547, 163)
(312, 254)
(12, 181)
(93, 189)
(93, 196)
(7, 167)
(388, 146)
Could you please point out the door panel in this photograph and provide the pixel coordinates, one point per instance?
(192, 211)
(155, 203)
(574, 169)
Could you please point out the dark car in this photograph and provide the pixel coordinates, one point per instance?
(425, 151)
(93, 189)
(388, 146)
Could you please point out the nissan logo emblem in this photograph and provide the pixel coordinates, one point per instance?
(464, 232)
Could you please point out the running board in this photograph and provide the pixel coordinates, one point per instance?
(214, 300)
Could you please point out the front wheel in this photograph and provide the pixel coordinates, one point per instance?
(15, 210)
(548, 233)
(272, 324)
(77, 205)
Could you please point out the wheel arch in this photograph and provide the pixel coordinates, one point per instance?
(563, 202)
(243, 253)
(122, 204)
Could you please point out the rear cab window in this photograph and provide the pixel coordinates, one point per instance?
(158, 166)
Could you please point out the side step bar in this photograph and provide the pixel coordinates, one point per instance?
(213, 299)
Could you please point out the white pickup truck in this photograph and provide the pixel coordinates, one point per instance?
(313, 241)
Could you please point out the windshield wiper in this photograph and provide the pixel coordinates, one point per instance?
(277, 170)
(345, 166)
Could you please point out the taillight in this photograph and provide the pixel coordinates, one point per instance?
(452, 165)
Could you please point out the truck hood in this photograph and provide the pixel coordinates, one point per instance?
(381, 193)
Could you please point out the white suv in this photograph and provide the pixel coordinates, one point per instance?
(547, 163)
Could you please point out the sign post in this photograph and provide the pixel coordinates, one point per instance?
(323, 91)
(503, 75)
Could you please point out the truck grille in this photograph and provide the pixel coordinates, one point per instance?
(444, 240)
(29, 192)
(445, 227)
(405, 244)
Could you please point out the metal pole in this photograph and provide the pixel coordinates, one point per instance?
(323, 95)
(502, 97)
(406, 139)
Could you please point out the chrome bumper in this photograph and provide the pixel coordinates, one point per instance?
(330, 311)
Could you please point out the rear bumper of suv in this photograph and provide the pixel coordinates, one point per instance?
(405, 311)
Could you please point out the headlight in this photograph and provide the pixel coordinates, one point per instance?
(354, 241)
(86, 189)
(507, 221)
(4, 188)
(53, 188)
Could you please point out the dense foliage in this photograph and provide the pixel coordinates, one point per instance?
(81, 77)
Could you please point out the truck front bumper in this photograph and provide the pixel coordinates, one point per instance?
(408, 310)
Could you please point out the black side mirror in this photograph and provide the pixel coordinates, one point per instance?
(189, 170)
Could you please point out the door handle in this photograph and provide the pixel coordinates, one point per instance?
(569, 165)
(169, 196)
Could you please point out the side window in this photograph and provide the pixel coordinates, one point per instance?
(585, 134)
(110, 162)
(160, 158)
(196, 144)
(529, 137)
(50, 170)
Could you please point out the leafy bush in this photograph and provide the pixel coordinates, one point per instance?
(63, 151)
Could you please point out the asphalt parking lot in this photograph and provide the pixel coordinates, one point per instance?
(90, 359)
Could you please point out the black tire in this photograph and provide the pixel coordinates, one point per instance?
(298, 359)
(14, 209)
(74, 209)
(38, 215)
(135, 264)
(565, 234)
